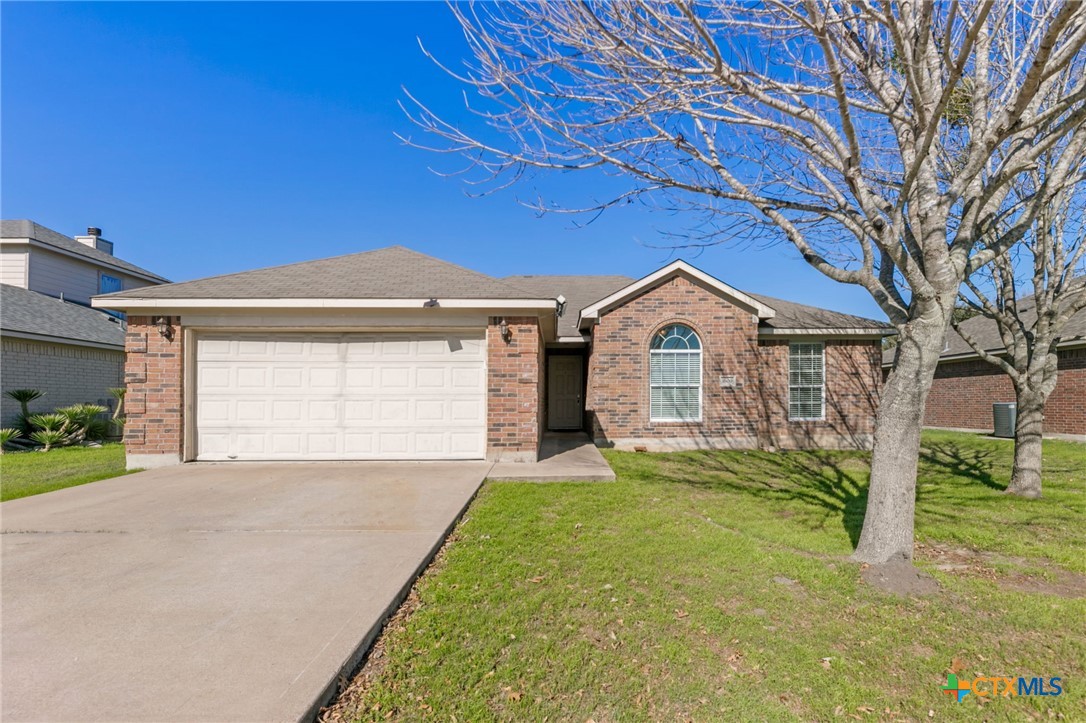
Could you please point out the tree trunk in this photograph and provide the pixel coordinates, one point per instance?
(1026, 475)
(891, 499)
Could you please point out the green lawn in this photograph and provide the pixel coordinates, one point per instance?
(30, 473)
(716, 586)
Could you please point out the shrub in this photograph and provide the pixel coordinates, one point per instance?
(24, 397)
(69, 425)
(49, 438)
(54, 422)
(6, 435)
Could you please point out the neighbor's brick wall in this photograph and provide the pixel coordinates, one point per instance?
(755, 411)
(515, 385)
(67, 374)
(153, 404)
(963, 392)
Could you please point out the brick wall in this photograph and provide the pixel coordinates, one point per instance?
(963, 392)
(515, 382)
(752, 413)
(153, 405)
(67, 374)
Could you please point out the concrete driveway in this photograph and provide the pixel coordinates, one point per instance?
(211, 592)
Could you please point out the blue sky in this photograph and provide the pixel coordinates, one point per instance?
(207, 138)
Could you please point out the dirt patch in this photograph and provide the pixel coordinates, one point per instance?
(1070, 585)
(978, 563)
(899, 577)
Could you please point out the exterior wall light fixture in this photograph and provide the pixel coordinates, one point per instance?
(164, 327)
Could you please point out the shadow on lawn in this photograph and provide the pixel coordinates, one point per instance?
(833, 481)
(836, 482)
(949, 458)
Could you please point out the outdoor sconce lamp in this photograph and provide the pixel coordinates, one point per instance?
(503, 328)
(431, 304)
(164, 328)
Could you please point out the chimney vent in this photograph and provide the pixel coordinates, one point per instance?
(95, 241)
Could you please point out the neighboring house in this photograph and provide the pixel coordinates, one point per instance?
(391, 354)
(965, 386)
(50, 337)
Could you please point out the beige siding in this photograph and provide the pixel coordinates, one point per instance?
(54, 274)
(67, 374)
(13, 267)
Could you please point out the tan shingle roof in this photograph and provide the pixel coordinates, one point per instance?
(389, 273)
(580, 291)
(791, 315)
(985, 331)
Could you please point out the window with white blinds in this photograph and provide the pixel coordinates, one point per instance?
(675, 375)
(806, 381)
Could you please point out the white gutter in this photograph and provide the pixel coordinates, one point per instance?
(133, 303)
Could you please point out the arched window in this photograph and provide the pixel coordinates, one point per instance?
(675, 375)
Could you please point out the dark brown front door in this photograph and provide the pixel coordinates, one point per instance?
(565, 386)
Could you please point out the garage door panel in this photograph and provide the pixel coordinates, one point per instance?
(361, 379)
(341, 396)
(288, 377)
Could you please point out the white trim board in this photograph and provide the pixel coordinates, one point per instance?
(132, 303)
(675, 268)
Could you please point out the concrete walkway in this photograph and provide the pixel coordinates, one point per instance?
(211, 592)
(563, 456)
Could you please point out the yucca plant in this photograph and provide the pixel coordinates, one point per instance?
(49, 438)
(24, 397)
(83, 421)
(117, 419)
(53, 422)
(7, 434)
(118, 394)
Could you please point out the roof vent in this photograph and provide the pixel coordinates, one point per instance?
(92, 231)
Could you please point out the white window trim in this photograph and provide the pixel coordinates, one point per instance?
(701, 381)
(788, 369)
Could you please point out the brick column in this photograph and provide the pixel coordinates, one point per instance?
(515, 389)
(154, 427)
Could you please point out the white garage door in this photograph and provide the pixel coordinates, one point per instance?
(341, 396)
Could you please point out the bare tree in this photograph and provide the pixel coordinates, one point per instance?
(1050, 264)
(879, 137)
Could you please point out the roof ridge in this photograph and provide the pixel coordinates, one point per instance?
(458, 267)
(268, 268)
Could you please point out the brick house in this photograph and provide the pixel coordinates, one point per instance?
(965, 386)
(50, 337)
(391, 354)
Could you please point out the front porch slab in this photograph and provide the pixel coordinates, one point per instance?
(563, 457)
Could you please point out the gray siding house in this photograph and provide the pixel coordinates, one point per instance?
(50, 338)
